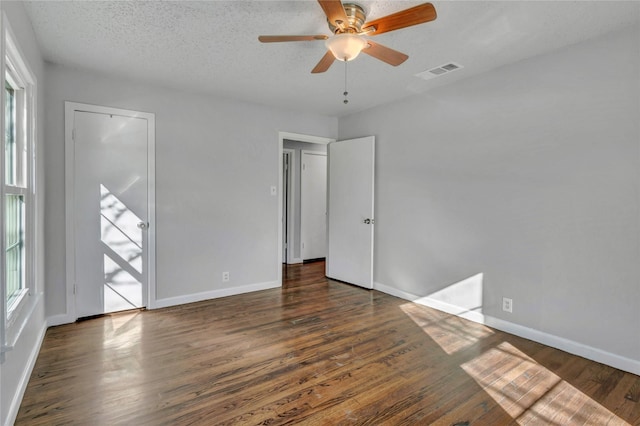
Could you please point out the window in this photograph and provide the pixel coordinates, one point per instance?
(15, 186)
(17, 234)
(14, 232)
(10, 131)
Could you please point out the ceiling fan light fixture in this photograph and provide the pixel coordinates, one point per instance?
(346, 47)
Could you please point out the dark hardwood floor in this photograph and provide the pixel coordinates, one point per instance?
(315, 352)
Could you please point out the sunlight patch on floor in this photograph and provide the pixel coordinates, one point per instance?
(453, 334)
(530, 393)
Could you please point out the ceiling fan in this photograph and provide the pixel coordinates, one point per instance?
(348, 24)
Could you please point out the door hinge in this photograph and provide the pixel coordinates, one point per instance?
(74, 289)
(73, 134)
(304, 166)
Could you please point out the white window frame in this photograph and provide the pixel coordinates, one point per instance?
(13, 317)
(21, 187)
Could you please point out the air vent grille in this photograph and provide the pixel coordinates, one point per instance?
(450, 67)
(438, 71)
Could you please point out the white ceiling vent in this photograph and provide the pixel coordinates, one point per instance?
(438, 71)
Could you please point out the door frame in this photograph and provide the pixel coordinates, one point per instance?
(281, 138)
(289, 185)
(69, 111)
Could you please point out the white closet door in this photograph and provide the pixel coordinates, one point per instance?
(313, 205)
(111, 210)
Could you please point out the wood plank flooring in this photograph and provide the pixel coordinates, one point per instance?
(315, 352)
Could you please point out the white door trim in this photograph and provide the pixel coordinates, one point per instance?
(292, 202)
(300, 138)
(69, 110)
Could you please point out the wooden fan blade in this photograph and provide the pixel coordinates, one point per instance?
(385, 54)
(335, 12)
(281, 38)
(324, 63)
(405, 18)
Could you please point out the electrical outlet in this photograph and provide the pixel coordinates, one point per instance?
(225, 276)
(507, 304)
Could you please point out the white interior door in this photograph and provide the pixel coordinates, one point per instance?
(351, 219)
(313, 205)
(111, 212)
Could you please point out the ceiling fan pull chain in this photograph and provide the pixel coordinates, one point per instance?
(346, 101)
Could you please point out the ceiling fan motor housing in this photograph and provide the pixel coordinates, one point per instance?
(355, 15)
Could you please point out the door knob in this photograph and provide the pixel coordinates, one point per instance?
(143, 225)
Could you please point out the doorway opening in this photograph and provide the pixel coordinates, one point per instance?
(291, 147)
(305, 201)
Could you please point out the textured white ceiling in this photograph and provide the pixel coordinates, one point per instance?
(212, 46)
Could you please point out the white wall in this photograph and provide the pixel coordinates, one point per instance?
(29, 327)
(215, 162)
(529, 175)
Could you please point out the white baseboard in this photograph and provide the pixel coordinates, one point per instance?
(295, 260)
(576, 348)
(54, 320)
(432, 303)
(213, 294)
(60, 319)
(24, 378)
